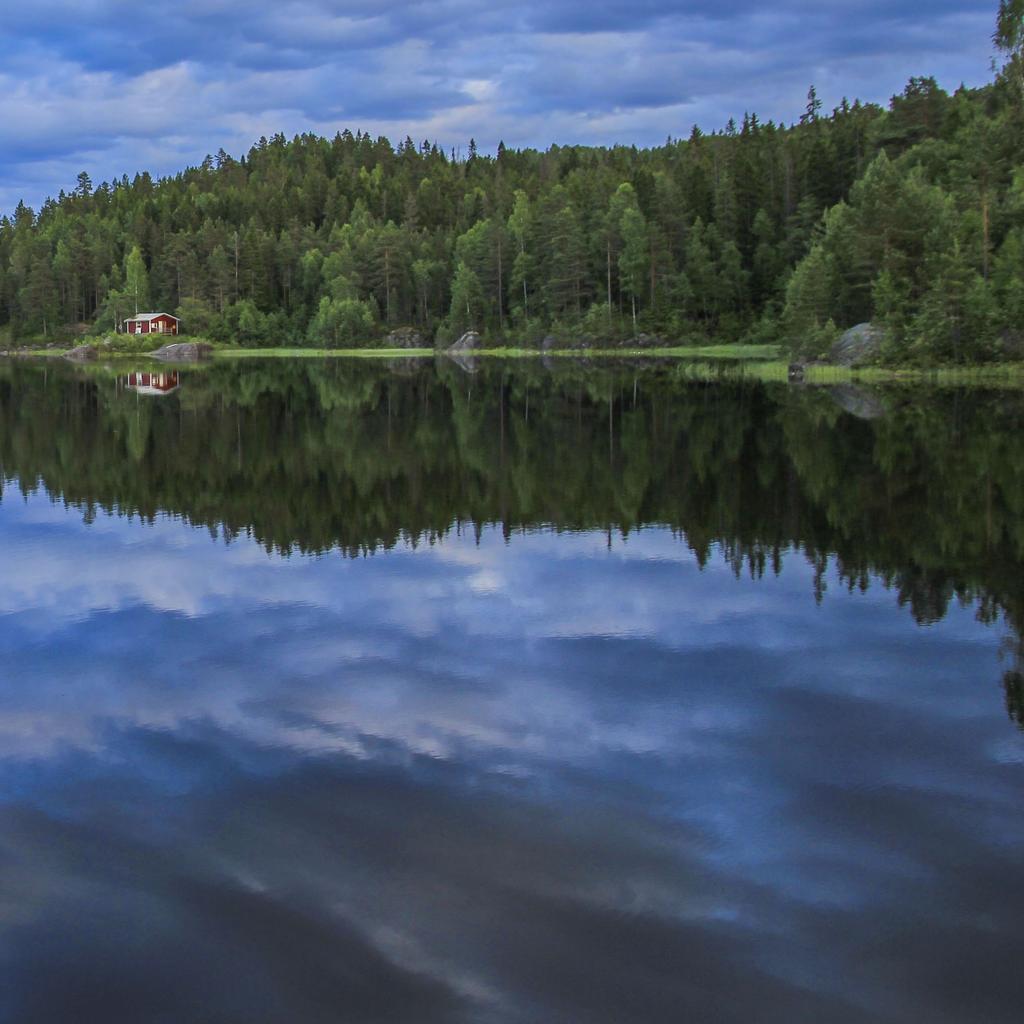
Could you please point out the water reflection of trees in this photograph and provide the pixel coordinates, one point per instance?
(352, 456)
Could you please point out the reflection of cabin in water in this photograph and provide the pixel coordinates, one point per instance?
(151, 323)
(152, 383)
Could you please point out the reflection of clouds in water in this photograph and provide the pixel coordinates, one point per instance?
(421, 891)
(497, 907)
(604, 786)
(573, 650)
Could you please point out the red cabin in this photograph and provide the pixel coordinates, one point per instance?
(151, 323)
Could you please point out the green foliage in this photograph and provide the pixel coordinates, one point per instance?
(928, 244)
(1009, 39)
(601, 323)
(247, 323)
(467, 305)
(633, 260)
(198, 318)
(127, 344)
(136, 280)
(341, 322)
(807, 324)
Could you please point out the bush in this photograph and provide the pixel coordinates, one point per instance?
(341, 322)
(198, 317)
(601, 323)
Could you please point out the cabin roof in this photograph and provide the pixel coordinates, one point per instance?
(149, 316)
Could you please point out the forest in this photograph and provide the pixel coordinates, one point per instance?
(911, 217)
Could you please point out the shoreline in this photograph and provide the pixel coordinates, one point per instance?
(705, 362)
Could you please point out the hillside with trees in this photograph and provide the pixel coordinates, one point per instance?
(911, 217)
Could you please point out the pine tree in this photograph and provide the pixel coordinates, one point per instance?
(1009, 39)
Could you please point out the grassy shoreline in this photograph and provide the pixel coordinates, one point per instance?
(729, 352)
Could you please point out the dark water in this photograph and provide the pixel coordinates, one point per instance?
(353, 693)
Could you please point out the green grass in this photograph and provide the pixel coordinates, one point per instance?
(321, 353)
(733, 352)
(759, 352)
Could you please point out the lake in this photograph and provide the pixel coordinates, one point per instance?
(507, 692)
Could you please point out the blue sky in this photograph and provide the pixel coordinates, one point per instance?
(114, 86)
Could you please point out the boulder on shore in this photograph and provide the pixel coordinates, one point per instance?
(857, 346)
(183, 352)
(469, 341)
(405, 337)
(81, 354)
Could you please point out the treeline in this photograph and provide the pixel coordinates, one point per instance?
(911, 216)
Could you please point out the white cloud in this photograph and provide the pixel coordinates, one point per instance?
(106, 88)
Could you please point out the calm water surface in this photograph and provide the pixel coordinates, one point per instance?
(356, 692)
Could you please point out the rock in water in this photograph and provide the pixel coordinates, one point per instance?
(857, 346)
(81, 354)
(183, 352)
(469, 341)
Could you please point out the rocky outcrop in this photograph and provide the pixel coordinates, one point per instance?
(858, 346)
(469, 341)
(183, 352)
(81, 354)
(405, 337)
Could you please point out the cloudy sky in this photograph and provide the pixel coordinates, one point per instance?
(116, 86)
